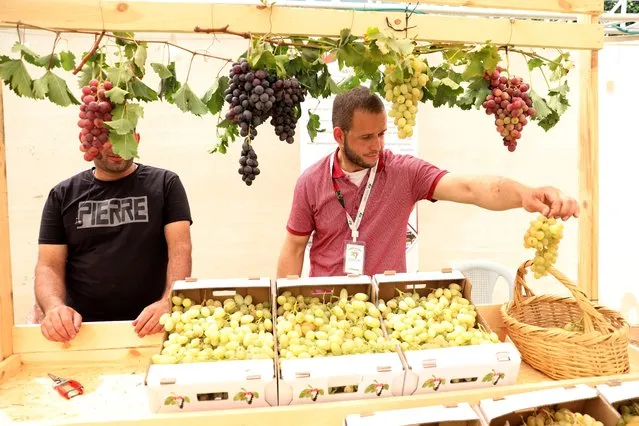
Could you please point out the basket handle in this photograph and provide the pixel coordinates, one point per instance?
(593, 319)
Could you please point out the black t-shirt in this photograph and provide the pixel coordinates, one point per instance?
(114, 230)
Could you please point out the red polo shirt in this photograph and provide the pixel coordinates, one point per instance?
(400, 182)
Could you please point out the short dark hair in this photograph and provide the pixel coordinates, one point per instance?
(358, 98)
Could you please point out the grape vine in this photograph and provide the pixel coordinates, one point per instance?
(269, 82)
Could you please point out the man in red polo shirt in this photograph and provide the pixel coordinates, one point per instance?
(359, 199)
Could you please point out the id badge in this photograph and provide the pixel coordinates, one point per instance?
(354, 258)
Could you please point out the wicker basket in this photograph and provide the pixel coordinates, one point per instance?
(535, 325)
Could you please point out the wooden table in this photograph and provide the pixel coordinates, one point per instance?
(115, 393)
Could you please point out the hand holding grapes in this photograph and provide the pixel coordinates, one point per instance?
(550, 202)
(61, 324)
(148, 322)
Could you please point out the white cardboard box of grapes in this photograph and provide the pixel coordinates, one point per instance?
(462, 414)
(620, 394)
(324, 378)
(516, 409)
(471, 363)
(213, 384)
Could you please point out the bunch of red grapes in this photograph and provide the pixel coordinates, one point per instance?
(511, 105)
(94, 111)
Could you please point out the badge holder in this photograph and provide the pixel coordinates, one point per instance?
(354, 254)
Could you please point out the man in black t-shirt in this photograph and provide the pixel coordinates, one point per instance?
(113, 239)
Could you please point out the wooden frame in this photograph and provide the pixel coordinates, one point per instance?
(110, 341)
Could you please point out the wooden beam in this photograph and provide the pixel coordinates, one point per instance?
(98, 335)
(6, 284)
(561, 6)
(588, 271)
(184, 17)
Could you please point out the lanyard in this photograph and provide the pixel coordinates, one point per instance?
(354, 225)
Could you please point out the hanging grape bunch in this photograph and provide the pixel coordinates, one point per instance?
(511, 105)
(289, 94)
(94, 111)
(248, 163)
(250, 97)
(405, 95)
(253, 96)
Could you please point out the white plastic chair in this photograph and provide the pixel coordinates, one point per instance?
(483, 275)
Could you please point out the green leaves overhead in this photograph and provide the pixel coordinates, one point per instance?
(455, 76)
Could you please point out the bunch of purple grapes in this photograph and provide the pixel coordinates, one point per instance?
(289, 94)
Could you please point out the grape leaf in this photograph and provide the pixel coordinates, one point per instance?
(450, 83)
(541, 107)
(168, 400)
(44, 61)
(161, 70)
(119, 75)
(238, 396)
(535, 63)
(125, 34)
(488, 378)
(15, 74)
(121, 126)
(280, 65)
(187, 101)
(474, 95)
(214, 97)
(130, 112)
(116, 95)
(126, 146)
(304, 393)
(545, 116)
(231, 131)
(40, 88)
(67, 60)
(321, 392)
(386, 386)
(484, 59)
(27, 54)
(141, 91)
(57, 90)
(370, 388)
(140, 56)
(256, 395)
(169, 85)
(313, 125)
(187, 399)
(90, 71)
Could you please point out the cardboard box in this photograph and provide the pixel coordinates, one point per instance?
(513, 409)
(217, 384)
(438, 415)
(335, 378)
(451, 368)
(621, 393)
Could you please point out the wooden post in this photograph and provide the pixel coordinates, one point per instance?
(588, 272)
(6, 289)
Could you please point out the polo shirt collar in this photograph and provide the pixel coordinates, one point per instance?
(339, 173)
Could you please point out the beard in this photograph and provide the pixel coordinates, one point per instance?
(358, 160)
(104, 164)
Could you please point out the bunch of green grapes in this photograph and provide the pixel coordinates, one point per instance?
(234, 329)
(405, 94)
(310, 327)
(629, 411)
(441, 319)
(544, 235)
(560, 417)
